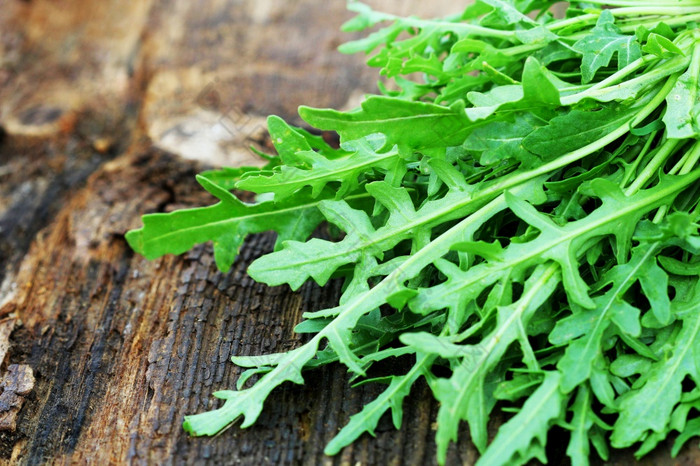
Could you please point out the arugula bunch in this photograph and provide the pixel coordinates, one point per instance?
(517, 216)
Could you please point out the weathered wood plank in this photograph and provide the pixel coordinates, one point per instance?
(123, 348)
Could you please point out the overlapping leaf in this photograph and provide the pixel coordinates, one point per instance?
(648, 408)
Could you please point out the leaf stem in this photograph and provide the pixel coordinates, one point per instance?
(638, 159)
(686, 164)
(653, 166)
(633, 25)
(626, 11)
(646, 3)
(601, 88)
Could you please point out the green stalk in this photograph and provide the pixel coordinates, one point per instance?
(650, 170)
(638, 159)
(687, 162)
(646, 3)
(626, 11)
(633, 25)
(606, 86)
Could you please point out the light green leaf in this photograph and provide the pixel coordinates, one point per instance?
(391, 398)
(576, 129)
(226, 224)
(462, 395)
(683, 103)
(537, 86)
(525, 435)
(411, 124)
(498, 141)
(604, 40)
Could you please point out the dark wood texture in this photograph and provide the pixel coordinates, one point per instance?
(108, 109)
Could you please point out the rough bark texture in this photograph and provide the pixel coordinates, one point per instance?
(109, 109)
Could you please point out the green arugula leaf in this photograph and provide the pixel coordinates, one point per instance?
(585, 429)
(537, 84)
(524, 436)
(462, 396)
(392, 398)
(286, 180)
(605, 40)
(416, 125)
(498, 141)
(660, 46)
(290, 141)
(575, 129)
(226, 224)
(485, 104)
(683, 105)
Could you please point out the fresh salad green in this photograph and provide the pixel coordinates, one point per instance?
(516, 214)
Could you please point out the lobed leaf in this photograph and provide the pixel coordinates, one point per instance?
(226, 224)
(605, 40)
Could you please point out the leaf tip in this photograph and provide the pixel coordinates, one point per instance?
(134, 238)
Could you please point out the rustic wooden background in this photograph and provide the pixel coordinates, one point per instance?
(107, 110)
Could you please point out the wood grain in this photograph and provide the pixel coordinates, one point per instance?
(108, 111)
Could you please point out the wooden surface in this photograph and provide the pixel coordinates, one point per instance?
(107, 110)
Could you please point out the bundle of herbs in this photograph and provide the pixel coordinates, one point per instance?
(517, 214)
